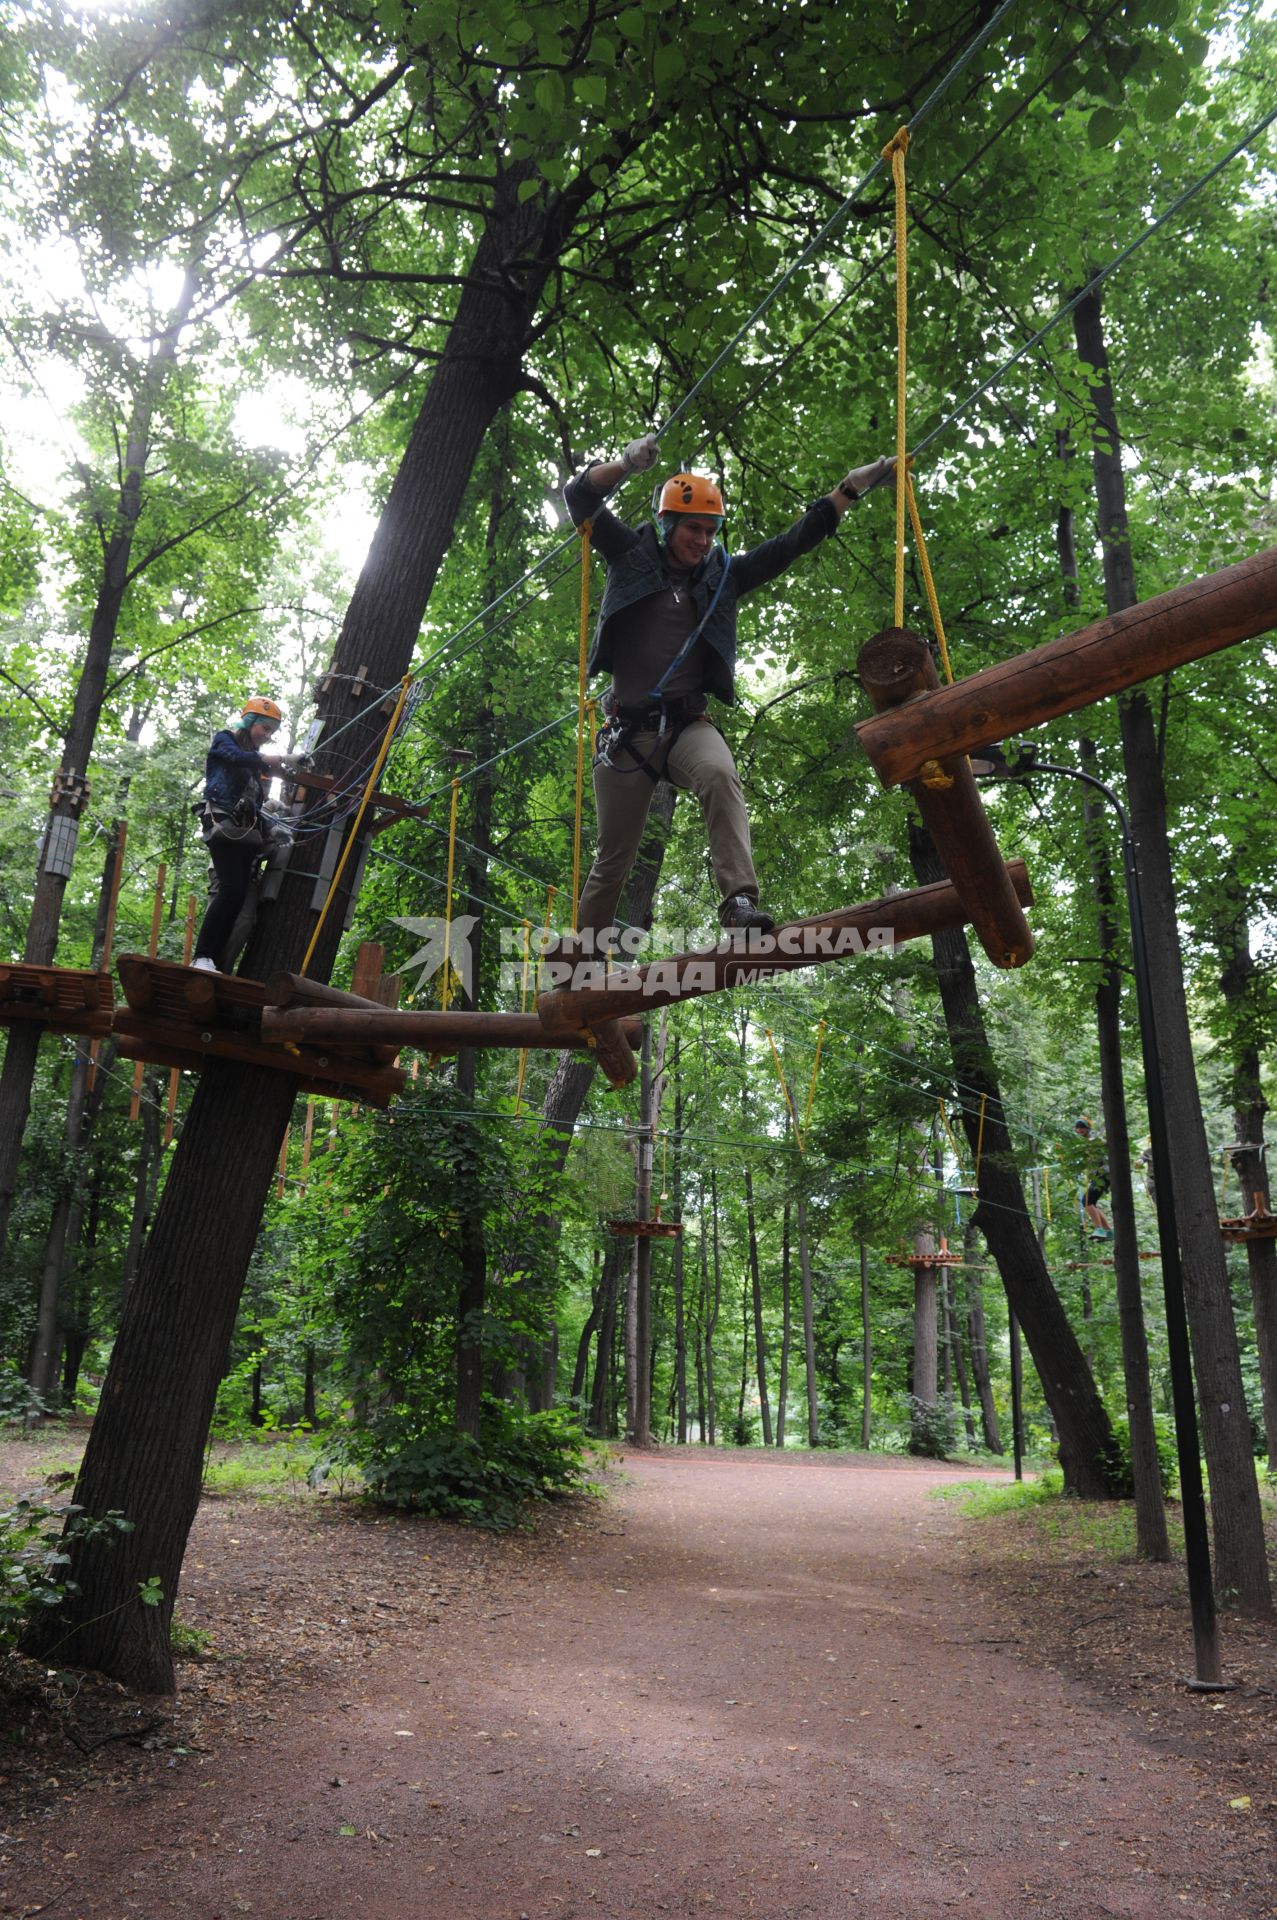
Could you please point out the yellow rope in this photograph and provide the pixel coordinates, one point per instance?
(928, 582)
(581, 704)
(815, 1069)
(780, 1075)
(445, 989)
(948, 1130)
(353, 835)
(894, 154)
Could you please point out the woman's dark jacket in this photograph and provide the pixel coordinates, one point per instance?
(231, 772)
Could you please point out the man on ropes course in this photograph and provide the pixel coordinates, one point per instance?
(667, 634)
(237, 829)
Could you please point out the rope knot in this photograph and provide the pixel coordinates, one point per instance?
(898, 143)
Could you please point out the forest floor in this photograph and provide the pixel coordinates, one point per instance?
(741, 1684)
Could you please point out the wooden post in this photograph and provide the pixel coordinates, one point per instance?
(308, 1136)
(152, 945)
(283, 1165)
(187, 943)
(743, 962)
(894, 665)
(1076, 670)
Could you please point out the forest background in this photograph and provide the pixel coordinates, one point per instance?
(308, 314)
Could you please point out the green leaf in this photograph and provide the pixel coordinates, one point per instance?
(668, 66)
(528, 190)
(1104, 126)
(1162, 102)
(548, 93)
(590, 89)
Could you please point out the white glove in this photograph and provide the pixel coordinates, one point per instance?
(641, 454)
(860, 479)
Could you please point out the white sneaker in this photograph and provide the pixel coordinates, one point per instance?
(204, 965)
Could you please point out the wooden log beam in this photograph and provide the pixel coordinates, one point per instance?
(743, 961)
(893, 667)
(1076, 670)
(430, 1030)
(295, 990)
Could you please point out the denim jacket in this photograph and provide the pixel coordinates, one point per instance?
(636, 568)
(232, 771)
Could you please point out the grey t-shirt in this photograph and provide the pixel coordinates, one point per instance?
(646, 637)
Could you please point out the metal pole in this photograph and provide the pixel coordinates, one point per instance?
(1201, 1593)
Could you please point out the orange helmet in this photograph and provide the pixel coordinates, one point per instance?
(690, 493)
(259, 709)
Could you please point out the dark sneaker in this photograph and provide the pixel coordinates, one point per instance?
(739, 911)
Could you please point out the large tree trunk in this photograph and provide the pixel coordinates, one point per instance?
(1237, 1524)
(116, 532)
(680, 1313)
(1152, 1539)
(145, 1450)
(786, 1330)
(714, 1309)
(923, 1406)
(756, 1297)
(1239, 978)
(1089, 1453)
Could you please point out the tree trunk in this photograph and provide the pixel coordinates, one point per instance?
(1089, 1454)
(600, 1420)
(1239, 979)
(680, 1321)
(711, 1318)
(145, 1450)
(1152, 1539)
(1237, 1523)
(116, 533)
(978, 1343)
(923, 1404)
(866, 1351)
(756, 1295)
(809, 1324)
(786, 1329)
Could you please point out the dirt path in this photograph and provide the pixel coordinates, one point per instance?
(743, 1686)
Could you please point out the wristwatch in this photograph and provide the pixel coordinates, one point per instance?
(847, 491)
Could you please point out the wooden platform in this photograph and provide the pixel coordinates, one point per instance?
(646, 1229)
(1260, 1225)
(65, 999)
(183, 1017)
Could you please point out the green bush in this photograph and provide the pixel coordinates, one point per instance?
(34, 1558)
(519, 1458)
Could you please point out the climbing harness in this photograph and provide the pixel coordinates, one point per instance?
(667, 719)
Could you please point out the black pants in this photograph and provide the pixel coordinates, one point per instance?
(233, 864)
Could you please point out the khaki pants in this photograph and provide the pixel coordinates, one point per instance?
(699, 762)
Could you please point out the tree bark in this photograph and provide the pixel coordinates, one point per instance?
(1239, 979)
(1236, 1518)
(866, 1351)
(116, 532)
(978, 1342)
(922, 1379)
(786, 1329)
(1089, 1454)
(809, 1324)
(145, 1450)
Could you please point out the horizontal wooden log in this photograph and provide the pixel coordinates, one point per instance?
(295, 990)
(610, 1043)
(1076, 670)
(742, 961)
(431, 1030)
(894, 666)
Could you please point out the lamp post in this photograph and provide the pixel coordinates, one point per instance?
(1208, 1677)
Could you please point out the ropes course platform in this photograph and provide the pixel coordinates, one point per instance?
(1259, 1225)
(64, 999)
(942, 1256)
(653, 1229)
(183, 1017)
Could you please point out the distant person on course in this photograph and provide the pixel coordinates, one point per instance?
(235, 829)
(667, 635)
